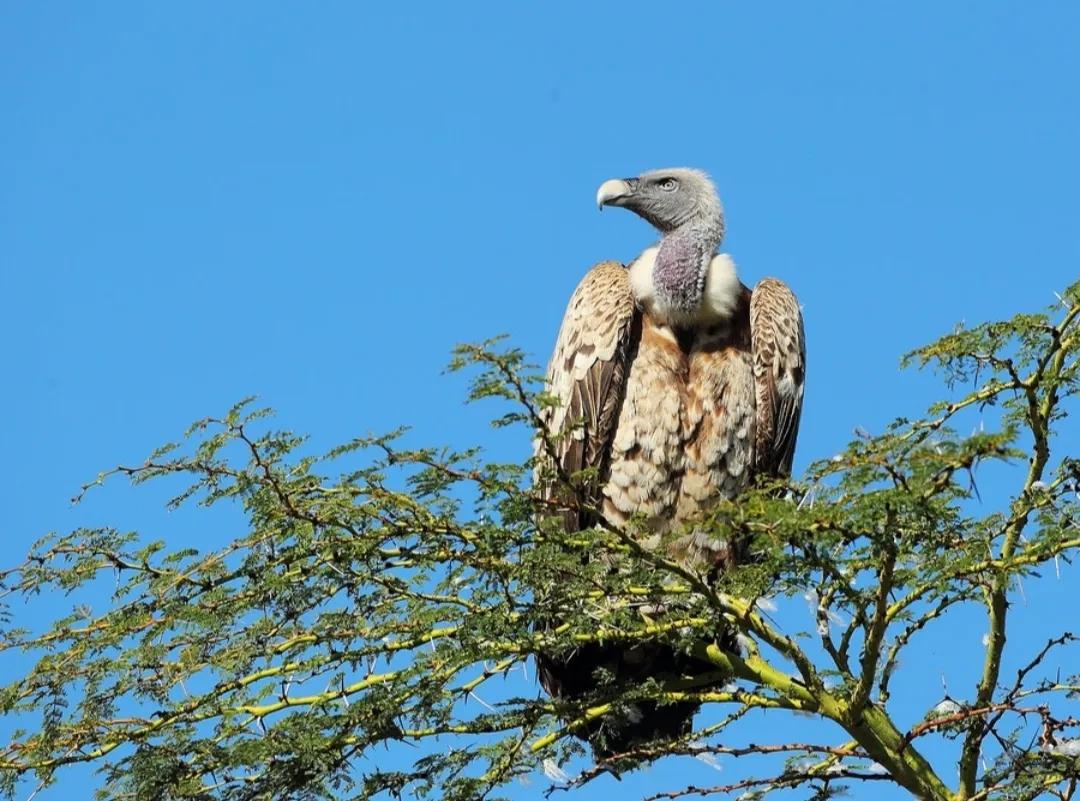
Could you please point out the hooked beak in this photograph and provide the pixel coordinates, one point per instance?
(615, 192)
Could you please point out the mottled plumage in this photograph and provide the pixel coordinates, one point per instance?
(679, 385)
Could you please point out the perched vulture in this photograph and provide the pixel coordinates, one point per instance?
(678, 385)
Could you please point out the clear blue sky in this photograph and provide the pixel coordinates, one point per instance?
(314, 202)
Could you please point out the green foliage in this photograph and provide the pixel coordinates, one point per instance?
(380, 594)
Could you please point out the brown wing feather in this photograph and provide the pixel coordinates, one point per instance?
(587, 374)
(599, 339)
(779, 347)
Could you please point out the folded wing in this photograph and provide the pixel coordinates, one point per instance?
(587, 376)
(779, 352)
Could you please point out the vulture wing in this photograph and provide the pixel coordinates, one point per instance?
(587, 376)
(779, 348)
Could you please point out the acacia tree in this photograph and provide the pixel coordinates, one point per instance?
(381, 596)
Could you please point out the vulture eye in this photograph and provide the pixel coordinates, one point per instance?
(669, 184)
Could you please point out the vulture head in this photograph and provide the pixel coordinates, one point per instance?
(677, 280)
(668, 199)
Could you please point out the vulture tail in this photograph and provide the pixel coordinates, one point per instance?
(574, 676)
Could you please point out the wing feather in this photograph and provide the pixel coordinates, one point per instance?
(587, 375)
(779, 348)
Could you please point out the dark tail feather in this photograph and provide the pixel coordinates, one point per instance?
(652, 723)
(574, 676)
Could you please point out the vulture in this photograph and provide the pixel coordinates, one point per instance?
(676, 385)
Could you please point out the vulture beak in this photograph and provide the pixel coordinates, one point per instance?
(615, 192)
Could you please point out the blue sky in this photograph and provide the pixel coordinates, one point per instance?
(201, 202)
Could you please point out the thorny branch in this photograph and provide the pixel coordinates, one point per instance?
(392, 609)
